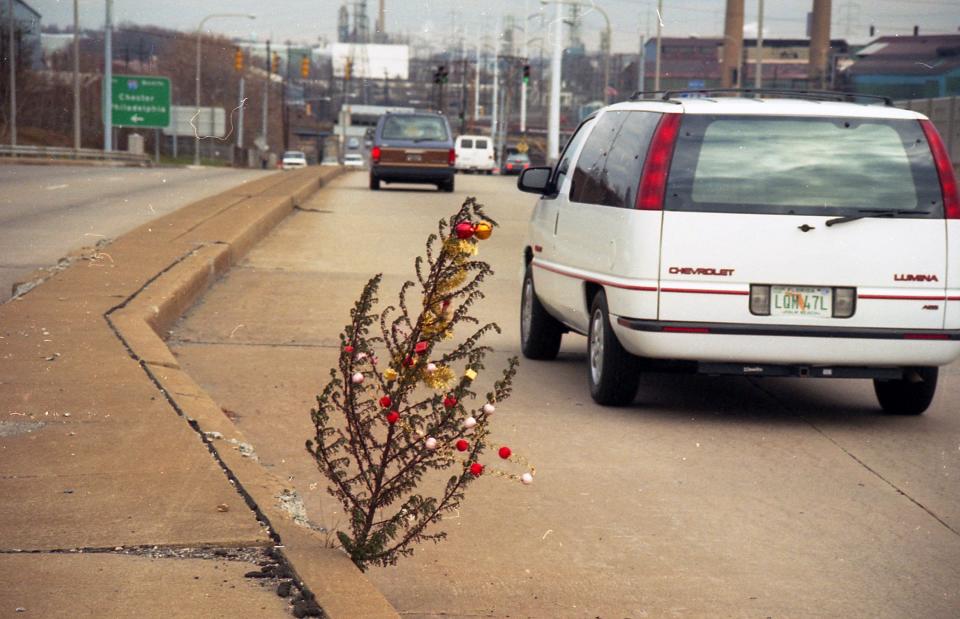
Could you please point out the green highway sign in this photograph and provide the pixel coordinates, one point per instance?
(140, 101)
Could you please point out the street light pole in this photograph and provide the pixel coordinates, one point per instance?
(76, 74)
(758, 78)
(12, 60)
(553, 119)
(196, 134)
(108, 79)
(656, 69)
(523, 80)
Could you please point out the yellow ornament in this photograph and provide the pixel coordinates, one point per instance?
(483, 230)
(390, 374)
(470, 374)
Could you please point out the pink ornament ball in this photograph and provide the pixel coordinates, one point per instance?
(527, 479)
(431, 443)
(469, 422)
(488, 409)
(357, 378)
(431, 368)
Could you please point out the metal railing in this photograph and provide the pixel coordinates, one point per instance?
(82, 154)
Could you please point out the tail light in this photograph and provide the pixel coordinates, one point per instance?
(948, 182)
(451, 157)
(653, 182)
(375, 154)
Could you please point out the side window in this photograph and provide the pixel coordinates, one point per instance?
(481, 143)
(589, 178)
(624, 162)
(566, 160)
(466, 143)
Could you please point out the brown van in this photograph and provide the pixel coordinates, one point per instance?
(412, 148)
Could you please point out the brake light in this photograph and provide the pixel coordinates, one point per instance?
(375, 154)
(653, 182)
(948, 182)
(451, 157)
(686, 329)
(926, 336)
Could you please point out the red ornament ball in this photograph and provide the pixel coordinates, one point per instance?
(420, 348)
(505, 452)
(476, 469)
(385, 401)
(449, 401)
(348, 348)
(462, 445)
(393, 417)
(408, 361)
(464, 230)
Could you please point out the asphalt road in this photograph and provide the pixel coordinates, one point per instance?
(721, 497)
(47, 212)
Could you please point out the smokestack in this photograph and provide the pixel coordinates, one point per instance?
(732, 44)
(381, 24)
(819, 44)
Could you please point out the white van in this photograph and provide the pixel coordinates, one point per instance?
(475, 154)
(749, 236)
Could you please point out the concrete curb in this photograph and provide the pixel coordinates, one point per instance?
(84, 356)
(142, 323)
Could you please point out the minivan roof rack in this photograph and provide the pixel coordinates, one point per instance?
(816, 95)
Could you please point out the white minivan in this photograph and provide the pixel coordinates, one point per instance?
(805, 235)
(475, 154)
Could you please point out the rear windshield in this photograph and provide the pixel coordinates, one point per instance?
(481, 143)
(466, 143)
(416, 128)
(802, 165)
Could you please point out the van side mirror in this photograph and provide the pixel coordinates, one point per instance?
(536, 180)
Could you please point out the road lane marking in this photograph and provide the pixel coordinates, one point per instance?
(52, 187)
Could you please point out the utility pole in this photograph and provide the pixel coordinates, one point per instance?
(496, 79)
(476, 88)
(732, 44)
(76, 74)
(758, 79)
(108, 79)
(641, 76)
(242, 70)
(553, 119)
(524, 77)
(266, 99)
(12, 60)
(656, 68)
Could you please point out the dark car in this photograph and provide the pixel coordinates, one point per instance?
(516, 163)
(412, 148)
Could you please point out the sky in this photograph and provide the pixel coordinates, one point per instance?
(310, 21)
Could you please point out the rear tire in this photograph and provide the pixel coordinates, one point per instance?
(374, 182)
(911, 395)
(613, 373)
(540, 333)
(447, 185)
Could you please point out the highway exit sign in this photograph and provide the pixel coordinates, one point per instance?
(140, 101)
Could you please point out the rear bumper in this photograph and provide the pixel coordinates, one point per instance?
(412, 174)
(742, 343)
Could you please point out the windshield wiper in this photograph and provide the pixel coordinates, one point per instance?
(866, 212)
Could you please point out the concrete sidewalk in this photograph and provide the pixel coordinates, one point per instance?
(126, 490)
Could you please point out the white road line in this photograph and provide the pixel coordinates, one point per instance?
(52, 187)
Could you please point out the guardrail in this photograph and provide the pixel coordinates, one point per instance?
(81, 154)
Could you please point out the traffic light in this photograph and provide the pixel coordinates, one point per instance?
(304, 67)
(275, 65)
(526, 74)
(238, 59)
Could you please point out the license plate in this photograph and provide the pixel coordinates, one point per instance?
(414, 158)
(801, 301)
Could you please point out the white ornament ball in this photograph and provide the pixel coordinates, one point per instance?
(527, 479)
(431, 443)
(357, 378)
(469, 422)
(488, 409)
(431, 367)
